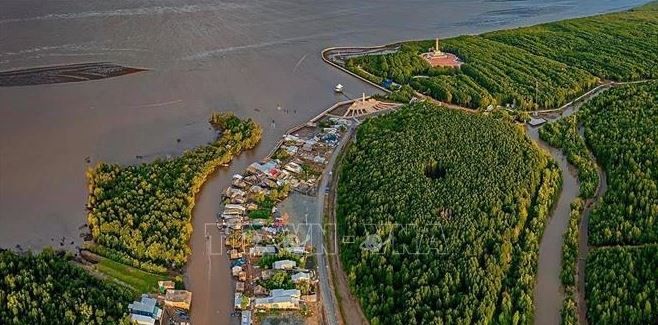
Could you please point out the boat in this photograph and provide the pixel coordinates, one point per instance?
(339, 88)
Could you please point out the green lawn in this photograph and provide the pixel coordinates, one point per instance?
(138, 280)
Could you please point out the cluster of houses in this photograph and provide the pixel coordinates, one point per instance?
(170, 306)
(267, 261)
(269, 269)
(297, 164)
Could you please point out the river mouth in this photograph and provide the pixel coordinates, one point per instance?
(64, 74)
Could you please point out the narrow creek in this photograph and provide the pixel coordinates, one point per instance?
(548, 293)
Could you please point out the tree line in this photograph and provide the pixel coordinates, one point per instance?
(141, 215)
(48, 288)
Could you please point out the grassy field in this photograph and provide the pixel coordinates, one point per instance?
(136, 279)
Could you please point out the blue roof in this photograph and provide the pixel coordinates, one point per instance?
(146, 307)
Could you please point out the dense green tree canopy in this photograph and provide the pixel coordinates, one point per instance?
(459, 202)
(622, 285)
(621, 128)
(564, 134)
(48, 289)
(493, 73)
(543, 66)
(618, 46)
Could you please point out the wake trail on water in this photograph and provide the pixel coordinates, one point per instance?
(147, 11)
(215, 52)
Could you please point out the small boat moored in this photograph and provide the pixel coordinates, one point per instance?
(339, 88)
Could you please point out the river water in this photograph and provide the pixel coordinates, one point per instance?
(247, 56)
(548, 293)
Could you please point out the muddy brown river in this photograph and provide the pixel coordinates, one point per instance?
(247, 56)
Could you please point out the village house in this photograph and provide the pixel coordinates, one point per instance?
(259, 290)
(256, 189)
(245, 318)
(300, 277)
(291, 150)
(232, 192)
(283, 303)
(293, 139)
(234, 254)
(239, 286)
(266, 274)
(145, 311)
(258, 251)
(234, 209)
(284, 265)
(293, 167)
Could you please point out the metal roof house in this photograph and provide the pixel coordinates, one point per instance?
(142, 320)
(285, 302)
(284, 265)
(145, 311)
(536, 121)
(245, 318)
(262, 250)
(301, 276)
(295, 293)
(279, 299)
(299, 250)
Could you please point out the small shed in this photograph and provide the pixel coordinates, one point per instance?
(259, 290)
(239, 286)
(179, 299)
(163, 286)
